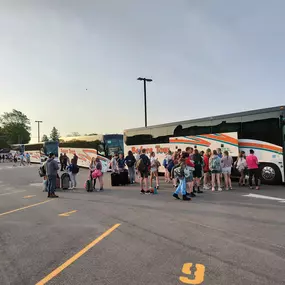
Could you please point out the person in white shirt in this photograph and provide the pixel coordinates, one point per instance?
(241, 166)
(154, 164)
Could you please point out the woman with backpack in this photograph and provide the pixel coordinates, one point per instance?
(215, 168)
(131, 161)
(73, 169)
(226, 163)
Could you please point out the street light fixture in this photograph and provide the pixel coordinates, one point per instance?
(38, 122)
(144, 88)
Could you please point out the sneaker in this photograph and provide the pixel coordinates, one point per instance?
(220, 189)
(186, 198)
(200, 192)
(227, 189)
(257, 188)
(176, 196)
(213, 189)
(206, 188)
(142, 191)
(192, 194)
(147, 192)
(157, 187)
(231, 188)
(194, 191)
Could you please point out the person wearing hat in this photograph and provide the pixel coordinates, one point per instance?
(52, 168)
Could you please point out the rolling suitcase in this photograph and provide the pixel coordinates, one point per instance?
(57, 182)
(124, 177)
(65, 181)
(115, 179)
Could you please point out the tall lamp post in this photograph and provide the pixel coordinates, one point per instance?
(145, 105)
(38, 122)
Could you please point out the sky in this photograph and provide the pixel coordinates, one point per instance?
(205, 58)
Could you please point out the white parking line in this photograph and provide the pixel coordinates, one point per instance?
(9, 193)
(265, 197)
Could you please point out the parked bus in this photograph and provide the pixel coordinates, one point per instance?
(262, 130)
(38, 151)
(85, 147)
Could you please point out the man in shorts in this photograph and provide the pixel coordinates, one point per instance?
(143, 165)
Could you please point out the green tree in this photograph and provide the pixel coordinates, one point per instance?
(45, 138)
(16, 127)
(54, 135)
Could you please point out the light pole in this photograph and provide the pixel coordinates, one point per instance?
(38, 122)
(144, 89)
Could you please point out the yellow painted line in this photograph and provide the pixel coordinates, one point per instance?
(29, 196)
(198, 274)
(23, 208)
(67, 214)
(76, 256)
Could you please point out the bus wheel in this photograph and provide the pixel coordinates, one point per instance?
(270, 174)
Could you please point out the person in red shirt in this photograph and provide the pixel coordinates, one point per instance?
(206, 169)
(252, 164)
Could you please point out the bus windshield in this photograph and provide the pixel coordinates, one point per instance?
(50, 147)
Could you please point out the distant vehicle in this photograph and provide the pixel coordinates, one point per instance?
(85, 148)
(38, 151)
(261, 130)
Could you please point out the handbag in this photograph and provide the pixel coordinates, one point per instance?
(96, 173)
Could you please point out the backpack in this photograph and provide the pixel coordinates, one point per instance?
(141, 165)
(42, 171)
(179, 172)
(164, 163)
(170, 165)
(130, 162)
(215, 163)
(75, 169)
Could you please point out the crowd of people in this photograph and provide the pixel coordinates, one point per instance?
(188, 170)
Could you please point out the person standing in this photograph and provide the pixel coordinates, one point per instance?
(226, 163)
(121, 163)
(22, 159)
(131, 161)
(215, 168)
(28, 158)
(154, 164)
(219, 151)
(143, 165)
(92, 167)
(65, 160)
(99, 174)
(252, 164)
(75, 159)
(241, 166)
(52, 168)
(206, 168)
(198, 162)
(114, 163)
(73, 169)
(61, 162)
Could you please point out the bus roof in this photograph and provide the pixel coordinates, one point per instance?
(231, 115)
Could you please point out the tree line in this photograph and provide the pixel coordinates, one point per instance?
(15, 128)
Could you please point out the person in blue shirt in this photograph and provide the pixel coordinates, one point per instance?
(121, 162)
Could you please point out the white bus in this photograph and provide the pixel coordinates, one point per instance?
(261, 130)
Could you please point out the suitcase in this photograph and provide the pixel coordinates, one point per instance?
(57, 182)
(124, 177)
(115, 179)
(65, 181)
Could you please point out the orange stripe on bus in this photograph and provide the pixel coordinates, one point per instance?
(193, 140)
(260, 145)
(222, 137)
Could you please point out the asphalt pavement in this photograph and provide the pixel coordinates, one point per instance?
(119, 236)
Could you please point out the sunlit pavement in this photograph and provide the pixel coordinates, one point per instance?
(122, 237)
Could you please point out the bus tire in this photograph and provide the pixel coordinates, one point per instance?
(270, 174)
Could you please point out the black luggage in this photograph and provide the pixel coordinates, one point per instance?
(65, 181)
(124, 177)
(115, 179)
